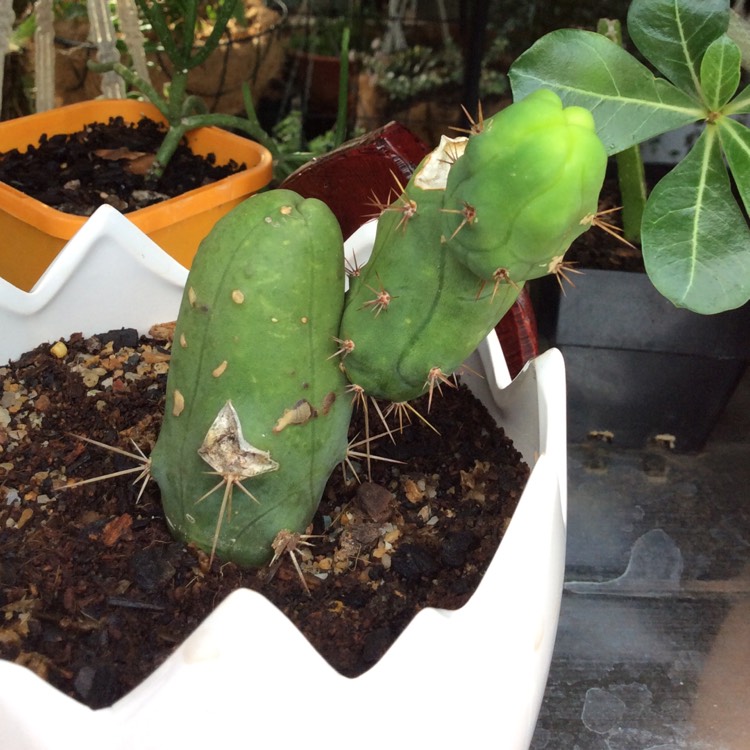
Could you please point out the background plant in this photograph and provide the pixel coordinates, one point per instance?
(184, 112)
(694, 235)
(419, 70)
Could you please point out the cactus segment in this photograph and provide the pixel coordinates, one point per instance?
(526, 186)
(437, 310)
(254, 400)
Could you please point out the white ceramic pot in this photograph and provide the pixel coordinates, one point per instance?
(247, 677)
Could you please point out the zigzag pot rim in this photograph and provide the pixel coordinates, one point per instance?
(225, 682)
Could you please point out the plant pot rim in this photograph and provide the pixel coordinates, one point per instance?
(503, 638)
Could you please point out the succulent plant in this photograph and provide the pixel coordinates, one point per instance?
(256, 396)
(415, 312)
(256, 415)
(479, 217)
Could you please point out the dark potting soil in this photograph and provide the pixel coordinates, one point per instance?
(95, 594)
(106, 164)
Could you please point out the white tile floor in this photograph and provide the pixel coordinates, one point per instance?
(653, 648)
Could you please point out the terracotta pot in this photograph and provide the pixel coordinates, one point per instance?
(239, 674)
(317, 80)
(34, 233)
(255, 56)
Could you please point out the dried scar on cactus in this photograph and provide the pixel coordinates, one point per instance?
(301, 413)
(227, 452)
(433, 174)
(232, 458)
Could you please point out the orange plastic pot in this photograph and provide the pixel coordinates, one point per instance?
(33, 233)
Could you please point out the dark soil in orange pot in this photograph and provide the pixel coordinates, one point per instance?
(177, 221)
(106, 163)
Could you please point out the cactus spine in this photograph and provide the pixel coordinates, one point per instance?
(256, 415)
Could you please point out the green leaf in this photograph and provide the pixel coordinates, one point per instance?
(673, 35)
(740, 104)
(629, 104)
(695, 241)
(735, 140)
(720, 72)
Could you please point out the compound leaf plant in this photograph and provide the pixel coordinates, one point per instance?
(694, 236)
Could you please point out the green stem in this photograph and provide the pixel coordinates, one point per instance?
(232, 122)
(632, 181)
(188, 24)
(133, 79)
(176, 95)
(224, 13)
(253, 126)
(193, 105)
(343, 103)
(630, 172)
(154, 13)
(166, 151)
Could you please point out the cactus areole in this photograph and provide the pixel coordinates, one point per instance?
(256, 416)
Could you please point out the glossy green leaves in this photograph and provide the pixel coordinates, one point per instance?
(696, 235)
(695, 240)
(673, 35)
(720, 72)
(583, 68)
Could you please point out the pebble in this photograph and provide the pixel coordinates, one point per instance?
(25, 517)
(454, 550)
(42, 403)
(414, 491)
(59, 350)
(412, 562)
(151, 568)
(375, 500)
(120, 337)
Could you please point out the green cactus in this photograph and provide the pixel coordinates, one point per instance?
(256, 416)
(479, 217)
(527, 185)
(415, 312)
(256, 398)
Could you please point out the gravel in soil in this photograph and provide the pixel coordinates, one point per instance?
(106, 163)
(95, 594)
